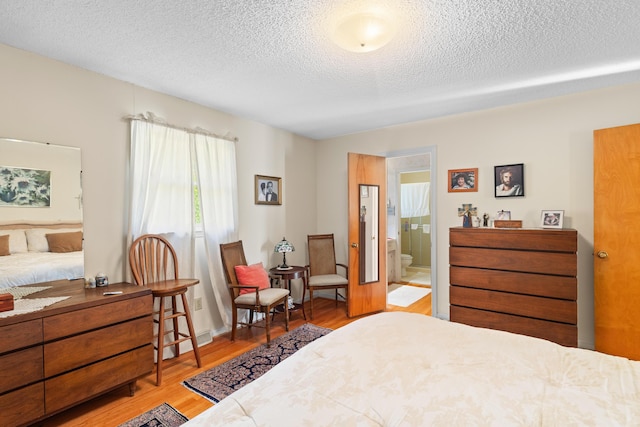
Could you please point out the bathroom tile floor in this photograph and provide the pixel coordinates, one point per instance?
(418, 276)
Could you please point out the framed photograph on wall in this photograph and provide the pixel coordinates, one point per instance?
(509, 180)
(268, 190)
(551, 219)
(463, 180)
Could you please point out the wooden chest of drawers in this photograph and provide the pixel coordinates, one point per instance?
(73, 350)
(516, 280)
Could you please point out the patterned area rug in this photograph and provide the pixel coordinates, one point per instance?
(222, 380)
(164, 415)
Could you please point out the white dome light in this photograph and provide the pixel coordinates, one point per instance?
(363, 32)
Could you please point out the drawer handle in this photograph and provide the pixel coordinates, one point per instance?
(602, 254)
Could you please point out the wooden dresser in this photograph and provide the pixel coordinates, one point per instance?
(73, 350)
(516, 280)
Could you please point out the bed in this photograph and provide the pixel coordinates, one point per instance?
(405, 369)
(40, 253)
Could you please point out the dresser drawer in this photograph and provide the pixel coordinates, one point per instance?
(20, 368)
(78, 321)
(560, 333)
(522, 305)
(520, 239)
(23, 405)
(560, 287)
(82, 384)
(552, 263)
(20, 335)
(79, 350)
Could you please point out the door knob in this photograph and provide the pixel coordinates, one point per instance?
(602, 254)
(354, 245)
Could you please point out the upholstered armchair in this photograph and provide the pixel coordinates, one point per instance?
(322, 271)
(250, 288)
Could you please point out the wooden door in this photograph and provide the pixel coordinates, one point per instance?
(372, 296)
(616, 240)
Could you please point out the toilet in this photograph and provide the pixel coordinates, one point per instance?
(405, 261)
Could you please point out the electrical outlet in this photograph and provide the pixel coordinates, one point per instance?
(197, 304)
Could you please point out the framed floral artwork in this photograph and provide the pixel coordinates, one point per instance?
(25, 187)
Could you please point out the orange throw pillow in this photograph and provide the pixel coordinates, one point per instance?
(252, 275)
(65, 242)
(4, 245)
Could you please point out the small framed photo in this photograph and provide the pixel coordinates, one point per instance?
(503, 215)
(268, 190)
(463, 180)
(551, 219)
(509, 180)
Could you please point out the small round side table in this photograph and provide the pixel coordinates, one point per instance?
(286, 276)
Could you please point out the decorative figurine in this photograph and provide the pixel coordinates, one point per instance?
(466, 212)
(485, 217)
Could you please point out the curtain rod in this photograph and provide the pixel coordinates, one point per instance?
(152, 118)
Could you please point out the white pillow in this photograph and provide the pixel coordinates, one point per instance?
(37, 239)
(17, 240)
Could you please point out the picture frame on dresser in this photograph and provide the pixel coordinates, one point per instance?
(551, 219)
(503, 215)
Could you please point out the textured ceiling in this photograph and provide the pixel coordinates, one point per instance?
(272, 60)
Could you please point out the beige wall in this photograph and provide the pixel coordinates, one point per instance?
(554, 140)
(48, 101)
(44, 100)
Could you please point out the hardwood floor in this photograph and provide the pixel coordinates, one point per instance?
(117, 407)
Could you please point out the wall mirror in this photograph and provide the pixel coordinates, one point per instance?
(40, 195)
(369, 234)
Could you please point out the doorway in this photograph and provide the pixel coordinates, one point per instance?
(414, 237)
(411, 219)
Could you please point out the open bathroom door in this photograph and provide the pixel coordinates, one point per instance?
(367, 193)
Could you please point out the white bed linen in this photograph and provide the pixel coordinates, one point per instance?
(403, 369)
(35, 267)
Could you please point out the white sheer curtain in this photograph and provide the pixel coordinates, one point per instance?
(216, 176)
(166, 163)
(162, 188)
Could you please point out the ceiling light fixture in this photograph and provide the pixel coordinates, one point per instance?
(364, 32)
